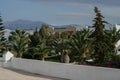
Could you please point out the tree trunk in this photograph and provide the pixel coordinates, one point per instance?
(62, 57)
(19, 55)
(86, 51)
(43, 59)
(66, 58)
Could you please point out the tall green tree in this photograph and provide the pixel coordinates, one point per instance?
(38, 45)
(98, 34)
(2, 38)
(35, 38)
(19, 42)
(44, 31)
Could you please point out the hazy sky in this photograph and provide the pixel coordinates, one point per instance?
(60, 12)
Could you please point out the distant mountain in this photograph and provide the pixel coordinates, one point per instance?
(24, 24)
(31, 25)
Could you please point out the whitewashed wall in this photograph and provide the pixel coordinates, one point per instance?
(68, 71)
(1, 61)
(0, 58)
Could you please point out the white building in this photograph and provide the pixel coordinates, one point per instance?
(118, 43)
(117, 26)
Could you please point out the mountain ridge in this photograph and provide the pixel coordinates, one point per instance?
(24, 24)
(31, 25)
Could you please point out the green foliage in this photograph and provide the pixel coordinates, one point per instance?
(44, 31)
(61, 47)
(100, 46)
(116, 58)
(38, 45)
(2, 38)
(38, 35)
(112, 36)
(65, 35)
(81, 42)
(18, 40)
(41, 50)
(35, 38)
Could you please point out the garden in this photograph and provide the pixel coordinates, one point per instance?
(96, 47)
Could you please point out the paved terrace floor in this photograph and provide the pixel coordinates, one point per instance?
(9, 74)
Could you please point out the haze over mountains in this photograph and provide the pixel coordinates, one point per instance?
(23, 24)
(31, 25)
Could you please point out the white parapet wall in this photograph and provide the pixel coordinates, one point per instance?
(68, 71)
(1, 61)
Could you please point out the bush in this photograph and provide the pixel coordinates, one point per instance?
(114, 62)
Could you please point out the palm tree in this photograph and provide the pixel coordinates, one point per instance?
(19, 42)
(61, 47)
(66, 58)
(64, 43)
(41, 50)
(112, 37)
(81, 44)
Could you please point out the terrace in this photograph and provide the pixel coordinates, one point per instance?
(23, 69)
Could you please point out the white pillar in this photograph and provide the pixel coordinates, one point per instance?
(7, 56)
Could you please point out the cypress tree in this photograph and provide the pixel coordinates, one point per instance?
(99, 38)
(2, 38)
